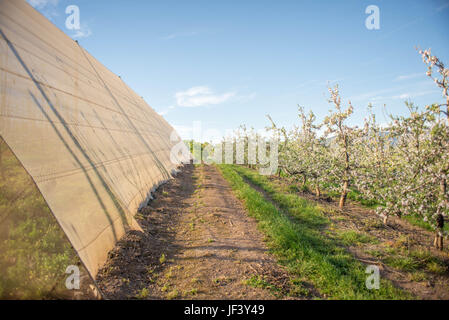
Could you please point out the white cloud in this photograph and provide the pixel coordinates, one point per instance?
(370, 95)
(185, 132)
(308, 83)
(83, 32)
(392, 94)
(246, 97)
(335, 81)
(442, 7)
(404, 96)
(180, 34)
(166, 111)
(47, 7)
(409, 76)
(40, 4)
(201, 96)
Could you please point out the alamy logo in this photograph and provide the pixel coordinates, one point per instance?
(373, 280)
(372, 22)
(73, 280)
(73, 20)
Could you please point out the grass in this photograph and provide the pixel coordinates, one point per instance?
(172, 294)
(293, 188)
(417, 261)
(294, 228)
(419, 222)
(351, 237)
(436, 267)
(34, 252)
(405, 263)
(143, 294)
(418, 276)
(191, 292)
(258, 281)
(165, 288)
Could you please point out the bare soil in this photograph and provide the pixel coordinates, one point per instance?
(198, 243)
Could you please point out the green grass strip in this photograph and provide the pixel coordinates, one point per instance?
(295, 235)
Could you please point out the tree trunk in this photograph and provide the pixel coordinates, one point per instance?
(343, 196)
(317, 190)
(443, 187)
(438, 242)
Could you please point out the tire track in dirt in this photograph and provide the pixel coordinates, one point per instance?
(198, 243)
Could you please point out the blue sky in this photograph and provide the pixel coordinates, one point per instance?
(227, 63)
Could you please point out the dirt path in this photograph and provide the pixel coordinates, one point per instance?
(198, 243)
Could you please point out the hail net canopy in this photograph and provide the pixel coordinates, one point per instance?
(90, 145)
